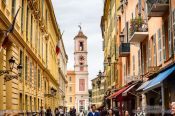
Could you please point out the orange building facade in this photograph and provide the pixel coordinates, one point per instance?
(146, 37)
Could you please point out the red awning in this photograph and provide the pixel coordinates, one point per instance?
(118, 92)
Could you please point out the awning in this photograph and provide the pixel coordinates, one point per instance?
(156, 82)
(127, 90)
(118, 92)
(143, 85)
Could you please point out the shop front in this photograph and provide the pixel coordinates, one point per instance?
(159, 92)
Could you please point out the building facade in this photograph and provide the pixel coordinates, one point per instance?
(63, 58)
(70, 90)
(145, 34)
(98, 92)
(81, 72)
(32, 44)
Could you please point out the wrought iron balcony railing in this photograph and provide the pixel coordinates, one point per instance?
(138, 29)
(157, 8)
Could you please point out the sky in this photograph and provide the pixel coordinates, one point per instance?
(71, 13)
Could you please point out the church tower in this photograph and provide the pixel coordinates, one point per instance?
(81, 71)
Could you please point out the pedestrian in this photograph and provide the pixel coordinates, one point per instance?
(57, 113)
(81, 113)
(126, 113)
(110, 112)
(61, 111)
(139, 112)
(173, 108)
(74, 111)
(116, 111)
(49, 112)
(42, 111)
(93, 113)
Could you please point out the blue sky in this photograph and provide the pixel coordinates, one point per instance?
(69, 14)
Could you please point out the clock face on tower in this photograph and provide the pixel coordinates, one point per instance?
(81, 58)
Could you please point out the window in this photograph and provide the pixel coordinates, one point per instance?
(133, 58)
(35, 104)
(154, 46)
(26, 103)
(20, 102)
(169, 37)
(81, 46)
(149, 53)
(70, 79)
(46, 17)
(42, 8)
(164, 41)
(26, 68)
(70, 89)
(31, 29)
(31, 72)
(35, 76)
(13, 7)
(21, 59)
(22, 15)
(81, 84)
(36, 35)
(39, 43)
(42, 48)
(124, 73)
(46, 54)
(70, 99)
(160, 46)
(27, 21)
(39, 78)
(31, 103)
(45, 86)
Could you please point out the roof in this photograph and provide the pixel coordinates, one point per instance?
(80, 34)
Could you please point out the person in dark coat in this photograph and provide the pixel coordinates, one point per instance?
(49, 112)
(93, 113)
(116, 111)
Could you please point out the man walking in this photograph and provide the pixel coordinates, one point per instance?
(93, 112)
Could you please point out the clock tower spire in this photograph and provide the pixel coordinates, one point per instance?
(81, 71)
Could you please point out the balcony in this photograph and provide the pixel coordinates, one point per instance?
(157, 8)
(124, 49)
(138, 30)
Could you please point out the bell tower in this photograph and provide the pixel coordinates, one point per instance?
(81, 71)
(80, 52)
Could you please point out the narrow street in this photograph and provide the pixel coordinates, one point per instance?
(87, 57)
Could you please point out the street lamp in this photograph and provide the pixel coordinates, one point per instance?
(11, 62)
(52, 93)
(122, 37)
(10, 77)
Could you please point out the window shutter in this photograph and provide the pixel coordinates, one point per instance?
(169, 37)
(163, 38)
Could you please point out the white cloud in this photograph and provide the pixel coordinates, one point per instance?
(69, 14)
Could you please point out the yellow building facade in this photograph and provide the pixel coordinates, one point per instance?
(109, 30)
(32, 44)
(70, 90)
(98, 92)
